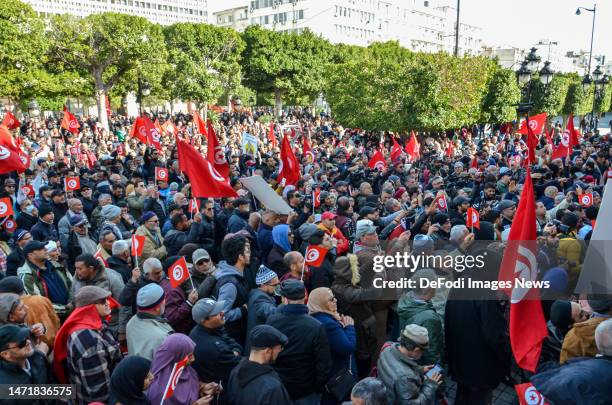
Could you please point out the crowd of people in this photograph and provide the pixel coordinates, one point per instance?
(255, 323)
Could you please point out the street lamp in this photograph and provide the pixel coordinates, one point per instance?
(546, 74)
(586, 83)
(525, 76)
(33, 110)
(144, 89)
(533, 60)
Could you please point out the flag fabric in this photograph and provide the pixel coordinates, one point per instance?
(98, 255)
(139, 130)
(158, 126)
(72, 183)
(532, 143)
(412, 147)
(474, 163)
(315, 255)
(536, 124)
(529, 395)
(161, 174)
(153, 135)
(396, 150)
(450, 150)
(10, 121)
(441, 202)
(8, 140)
(377, 161)
(205, 180)
(563, 149)
(169, 127)
(316, 198)
(10, 160)
(9, 224)
(200, 124)
(548, 135)
(70, 123)
(289, 170)
(271, 137)
(28, 190)
(473, 218)
(519, 264)
(194, 205)
(175, 376)
(574, 134)
(307, 150)
(138, 242)
(178, 272)
(586, 200)
(6, 207)
(215, 152)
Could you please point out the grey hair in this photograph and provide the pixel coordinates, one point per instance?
(371, 391)
(150, 264)
(103, 196)
(390, 203)
(603, 337)
(457, 233)
(103, 234)
(423, 274)
(120, 246)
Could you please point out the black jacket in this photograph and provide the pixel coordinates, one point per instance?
(26, 221)
(175, 240)
(14, 261)
(251, 383)
(323, 276)
(44, 232)
(13, 374)
(214, 354)
(305, 363)
(120, 266)
(206, 238)
(275, 261)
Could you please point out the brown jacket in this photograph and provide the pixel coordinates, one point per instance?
(40, 310)
(580, 340)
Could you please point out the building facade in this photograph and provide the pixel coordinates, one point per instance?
(236, 18)
(158, 11)
(418, 25)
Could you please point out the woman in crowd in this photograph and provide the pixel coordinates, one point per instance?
(129, 381)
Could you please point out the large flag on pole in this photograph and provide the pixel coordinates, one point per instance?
(536, 124)
(10, 121)
(69, 122)
(200, 124)
(519, 266)
(396, 150)
(413, 148)
(215, 152)
(377, 161)
(289, 171)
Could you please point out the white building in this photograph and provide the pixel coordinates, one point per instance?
(158, 11)
(419, 25)
(236, 18)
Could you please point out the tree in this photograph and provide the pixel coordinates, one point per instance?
(577, 101)
(22, 46)
(503, 94)
(552, 98)
(285, 63)
(603, 104)
(205, 61)
(108, 47)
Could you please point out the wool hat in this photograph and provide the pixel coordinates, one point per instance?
(110, 211)
(264, 336)
(147, 216)
(364, 227)
(292, 289)
(561, 314)
(149, 296)
(264, 275)
(399, 192)
(206, 308)
(90, 294)
(44, 209)
(19, 234)
(12, 284)
(77, 220)
(416, 334)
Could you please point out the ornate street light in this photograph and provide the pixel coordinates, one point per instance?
(546, 74)
(586, 83)
(33, 109)
(524, 74)
(533, 60)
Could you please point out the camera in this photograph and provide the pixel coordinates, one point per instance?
(560, 226)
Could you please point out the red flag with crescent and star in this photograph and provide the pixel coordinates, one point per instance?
(377, 161)
(536, 124)
(413, 148)
(314, 255)
(10, 121)
(215, 153)
(289, 171)
(69, 122)
(178, 272)
(519, 268)
(175, 375)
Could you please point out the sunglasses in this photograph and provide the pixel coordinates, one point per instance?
(202, 261)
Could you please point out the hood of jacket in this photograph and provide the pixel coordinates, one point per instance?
(225, 269)
(347, 270)
(409, 307)
(249, 371)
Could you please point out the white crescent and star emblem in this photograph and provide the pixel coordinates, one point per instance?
(533, 397)
(135, 244)
(526, 268)
(380, 165)
(214, 173)
(9, 224)
(3, 208)
(72, 183)
(73, 124)
(177, 272)
(312, 255)
(533, 125)
(219, 155)
(177, 376)
(4, 153)
(142, 131)
(161, 174)
(565, 139)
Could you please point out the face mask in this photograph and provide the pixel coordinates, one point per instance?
(277, 290)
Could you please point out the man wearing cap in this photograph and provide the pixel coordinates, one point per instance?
(112, 217)
(216, 353)
(240, 217)
(305, 363)
(75, 207)
(20, 362)
(254, 381)
(41, 277)
(458, 213)
(507, 208)
(261, 302)
(403, 377)
(202, 272)
(154, 242)
(16, 258)
(44, 229)
(148, 328)
(328, 225)
(58, 202)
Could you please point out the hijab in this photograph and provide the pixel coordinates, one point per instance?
(174, 348)
(318, 302)
(127, 381)
(280, 236)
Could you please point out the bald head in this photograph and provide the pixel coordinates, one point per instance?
(254, 220)
(270, 218)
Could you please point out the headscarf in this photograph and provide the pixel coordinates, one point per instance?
(280, 236)
(127, 381)
(86, 317)
(174, 349)
(318, 302)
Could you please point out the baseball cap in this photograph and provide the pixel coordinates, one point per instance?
(328, 215)
(206, 308)
(12, 333)
(199, 254)
(33, 246)
(264, 336)
(292, 289)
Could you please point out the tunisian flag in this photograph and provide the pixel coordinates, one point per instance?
(139, 130)
(10, 159)
(289, 171)
(215, 152)
(10, 121)
(377, 161)
(574, 134)
(412, 147)
(175, 375)
(153, 135)
(200, 124)
(205, 180)
(536, 124)
(69, 122)
(6, 139)
(396, 150)
(527, 324)
(178, 272)
(563, 149)
(271, 137)
(307, 150)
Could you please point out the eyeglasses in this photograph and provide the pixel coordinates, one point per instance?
(20, 345)
(333, 299)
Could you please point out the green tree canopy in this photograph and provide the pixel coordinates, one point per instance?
(503, 94)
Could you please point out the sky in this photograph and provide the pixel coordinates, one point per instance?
(523, 23)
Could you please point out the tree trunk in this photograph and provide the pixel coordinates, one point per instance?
(278, 103)
(205, 112)
(100, 100)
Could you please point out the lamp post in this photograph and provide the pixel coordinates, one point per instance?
(525, 74)
(600, 80)
(587, 80)
(143, 91)
(33, 110)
